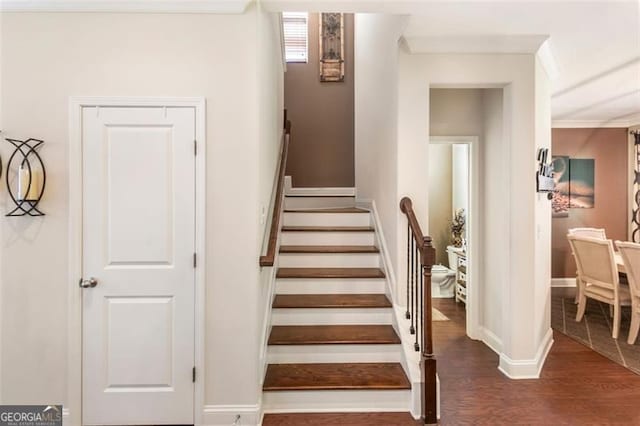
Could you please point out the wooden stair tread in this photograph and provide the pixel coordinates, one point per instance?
(331, 301)
(329, 249)
(338, 376)
(333, 335)
(329, 210)
(327, 229)
(339, 419)
(330, 273)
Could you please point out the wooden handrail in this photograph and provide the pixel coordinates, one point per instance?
(424, 246)
(269, 258)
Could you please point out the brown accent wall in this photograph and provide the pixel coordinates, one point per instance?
(609, 148)
(321, 153)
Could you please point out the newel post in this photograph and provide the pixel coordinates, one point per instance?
(429, 390)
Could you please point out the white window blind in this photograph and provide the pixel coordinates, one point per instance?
(295, 36)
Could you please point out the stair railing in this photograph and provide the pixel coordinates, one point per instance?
(269, 257)
(420, 259)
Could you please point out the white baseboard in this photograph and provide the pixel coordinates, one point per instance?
(317, 192)
(490, 339)
(563, 282)
(227, 415)
(527, 369)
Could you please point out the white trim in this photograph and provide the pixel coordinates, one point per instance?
(266, 319)
(563, 282)
(225, 415)
(631, 121)
(473, 219)
(317, 192)
(490, 339)
(74, 319)
(547, 60)
(282, 49)
(527, 369)
(137, 6)
(384, 248)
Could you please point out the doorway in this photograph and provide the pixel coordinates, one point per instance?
(453, 218)
(139, 298)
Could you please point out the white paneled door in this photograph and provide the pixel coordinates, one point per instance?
(138, 265)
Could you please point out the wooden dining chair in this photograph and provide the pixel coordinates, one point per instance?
(599, 275)
(584, 232)
(631, 257)
(588, 232)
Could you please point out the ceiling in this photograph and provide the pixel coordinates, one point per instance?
(596, 47)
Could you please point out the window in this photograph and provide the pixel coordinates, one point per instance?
(295, 36)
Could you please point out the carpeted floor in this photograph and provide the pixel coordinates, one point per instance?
(594, 331)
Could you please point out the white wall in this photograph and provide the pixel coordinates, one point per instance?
(542, 215)
(460, 179)
(495, 243)
(376, 52)
(48, 57)
(479, 112)
(455, 112)
(440, 198)
(521, 353)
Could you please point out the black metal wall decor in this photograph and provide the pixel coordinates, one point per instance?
(635, 218)
(30, 177)
(544, 175)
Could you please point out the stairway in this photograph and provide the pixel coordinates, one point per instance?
(332, 345)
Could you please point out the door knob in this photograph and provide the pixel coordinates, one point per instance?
(90, 283)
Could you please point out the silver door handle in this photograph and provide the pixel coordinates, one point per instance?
(90, 283)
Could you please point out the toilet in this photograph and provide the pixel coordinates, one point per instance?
(443, 279)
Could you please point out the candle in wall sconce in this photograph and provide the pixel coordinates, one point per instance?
(25, 177)
(29, 183)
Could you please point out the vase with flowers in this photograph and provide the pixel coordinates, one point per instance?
(457, 228)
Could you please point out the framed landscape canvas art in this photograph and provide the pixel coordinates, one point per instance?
(581, 183)
(560, 201)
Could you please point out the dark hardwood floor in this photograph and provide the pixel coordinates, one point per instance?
(577, 386)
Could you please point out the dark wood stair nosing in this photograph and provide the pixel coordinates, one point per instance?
(328, 229)
(329, 249)
(347, 334)
(321, 273)
(343, 210)
(336, 376)
(331, 301)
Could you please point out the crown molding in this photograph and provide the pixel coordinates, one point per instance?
(476, 44)
(129, 6)
(548, 60)
(629, 121)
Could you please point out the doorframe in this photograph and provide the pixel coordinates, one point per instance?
(474, 228)
(74, 320)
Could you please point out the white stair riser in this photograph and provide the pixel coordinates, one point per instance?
(336, 400)
(301, 354)
(318, 202)
(327, 219)
(331, 316)
(329, 260)
(330, 286)
(327, 238)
